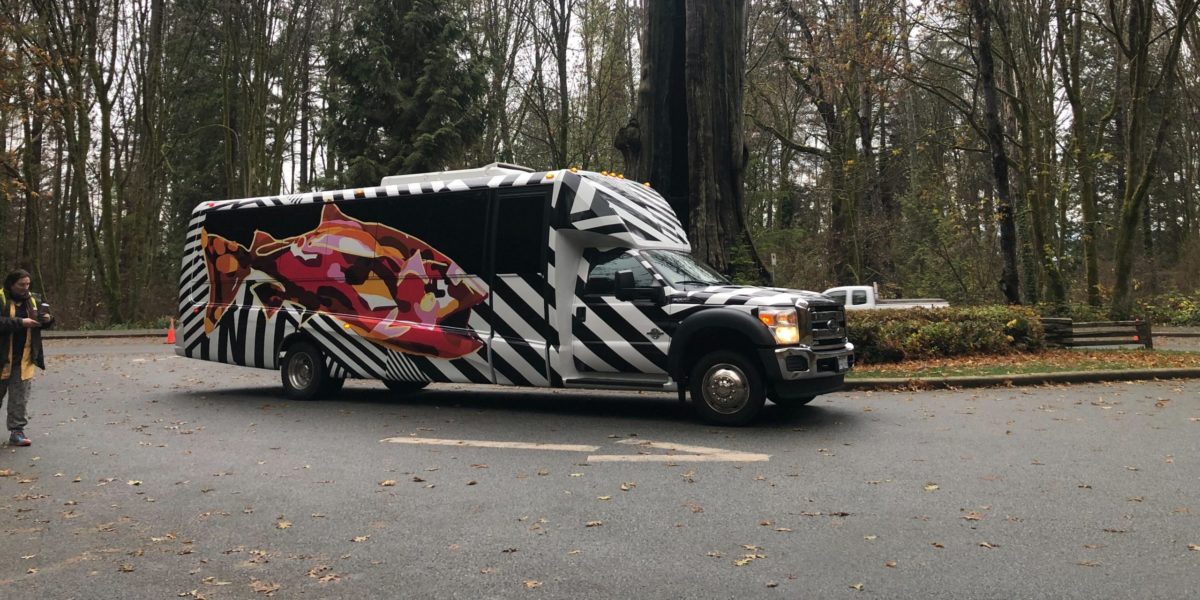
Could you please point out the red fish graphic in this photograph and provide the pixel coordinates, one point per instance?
(385, 285)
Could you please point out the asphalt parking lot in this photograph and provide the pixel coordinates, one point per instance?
(154, 476)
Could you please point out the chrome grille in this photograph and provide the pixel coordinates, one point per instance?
(828, 326)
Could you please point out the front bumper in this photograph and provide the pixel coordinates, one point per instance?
(798, 362)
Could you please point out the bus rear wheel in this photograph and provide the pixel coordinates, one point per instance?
(303, 372)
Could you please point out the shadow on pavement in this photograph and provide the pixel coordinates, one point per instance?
(661, 407)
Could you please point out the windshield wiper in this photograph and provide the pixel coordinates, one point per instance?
(695, 282)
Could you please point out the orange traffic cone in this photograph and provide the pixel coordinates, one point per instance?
(171, 332)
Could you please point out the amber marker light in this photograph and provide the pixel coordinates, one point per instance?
(783, 324)
(549, 175)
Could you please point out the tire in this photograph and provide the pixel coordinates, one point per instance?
(727, 388)
(793, 402)
(405, 387)
(303, 372)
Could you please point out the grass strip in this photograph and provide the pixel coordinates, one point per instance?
(1047, 361)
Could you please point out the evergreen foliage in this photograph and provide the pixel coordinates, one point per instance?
(406, 98)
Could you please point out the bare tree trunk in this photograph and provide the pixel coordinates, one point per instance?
(1009, 282)
(661, 155)
(715, 76)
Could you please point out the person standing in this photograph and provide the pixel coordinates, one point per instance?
(22, 317)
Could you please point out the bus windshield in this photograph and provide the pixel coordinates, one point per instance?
(681, 269)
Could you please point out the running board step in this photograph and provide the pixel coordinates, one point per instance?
(663, 384)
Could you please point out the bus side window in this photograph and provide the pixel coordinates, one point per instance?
(602, 277)
(450, 222)
(520, 233)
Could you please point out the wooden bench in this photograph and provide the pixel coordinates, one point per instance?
(1069, 334)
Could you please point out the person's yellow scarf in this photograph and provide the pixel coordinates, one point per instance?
(28, 369)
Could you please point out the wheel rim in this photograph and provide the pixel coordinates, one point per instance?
(301, 370)
(726, 388)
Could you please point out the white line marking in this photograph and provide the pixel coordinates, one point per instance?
(694, 453)
(488, 444)
(678, 447)
(678, 458)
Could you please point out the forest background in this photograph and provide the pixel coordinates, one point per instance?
(1037, 151)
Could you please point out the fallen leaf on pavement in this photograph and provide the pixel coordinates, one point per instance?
(594, 523)
(891, 564)
(856, 587)
(988, 545)
(931, 486)
(387, 482)
(360, 538)
(532, 584)
(1194, 547)
(283, 524)
(972, 516)
(263, 587)
(747, 559)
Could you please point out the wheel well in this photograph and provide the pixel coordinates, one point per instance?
(295, 338)
(709, 340)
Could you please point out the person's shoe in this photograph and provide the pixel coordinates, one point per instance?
(17, 438)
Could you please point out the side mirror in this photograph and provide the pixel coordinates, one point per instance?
(627, 291)
(624, 281)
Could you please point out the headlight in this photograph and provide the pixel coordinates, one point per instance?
(783, 323)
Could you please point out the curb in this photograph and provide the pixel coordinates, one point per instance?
(1018, 380)
(102, 334)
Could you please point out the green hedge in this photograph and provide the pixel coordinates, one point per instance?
(894, 335)
(1171, 308)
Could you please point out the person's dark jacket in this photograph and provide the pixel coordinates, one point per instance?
(10, 326)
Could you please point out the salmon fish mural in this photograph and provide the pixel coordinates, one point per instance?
(387, 286)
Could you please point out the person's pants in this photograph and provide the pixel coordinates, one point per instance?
(18, 395)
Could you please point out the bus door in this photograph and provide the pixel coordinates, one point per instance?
(519, 295)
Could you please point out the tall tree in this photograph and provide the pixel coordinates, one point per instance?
(982, 17)
(1087, 126)
(1145, 95)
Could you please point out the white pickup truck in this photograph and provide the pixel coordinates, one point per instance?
(866, 297)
